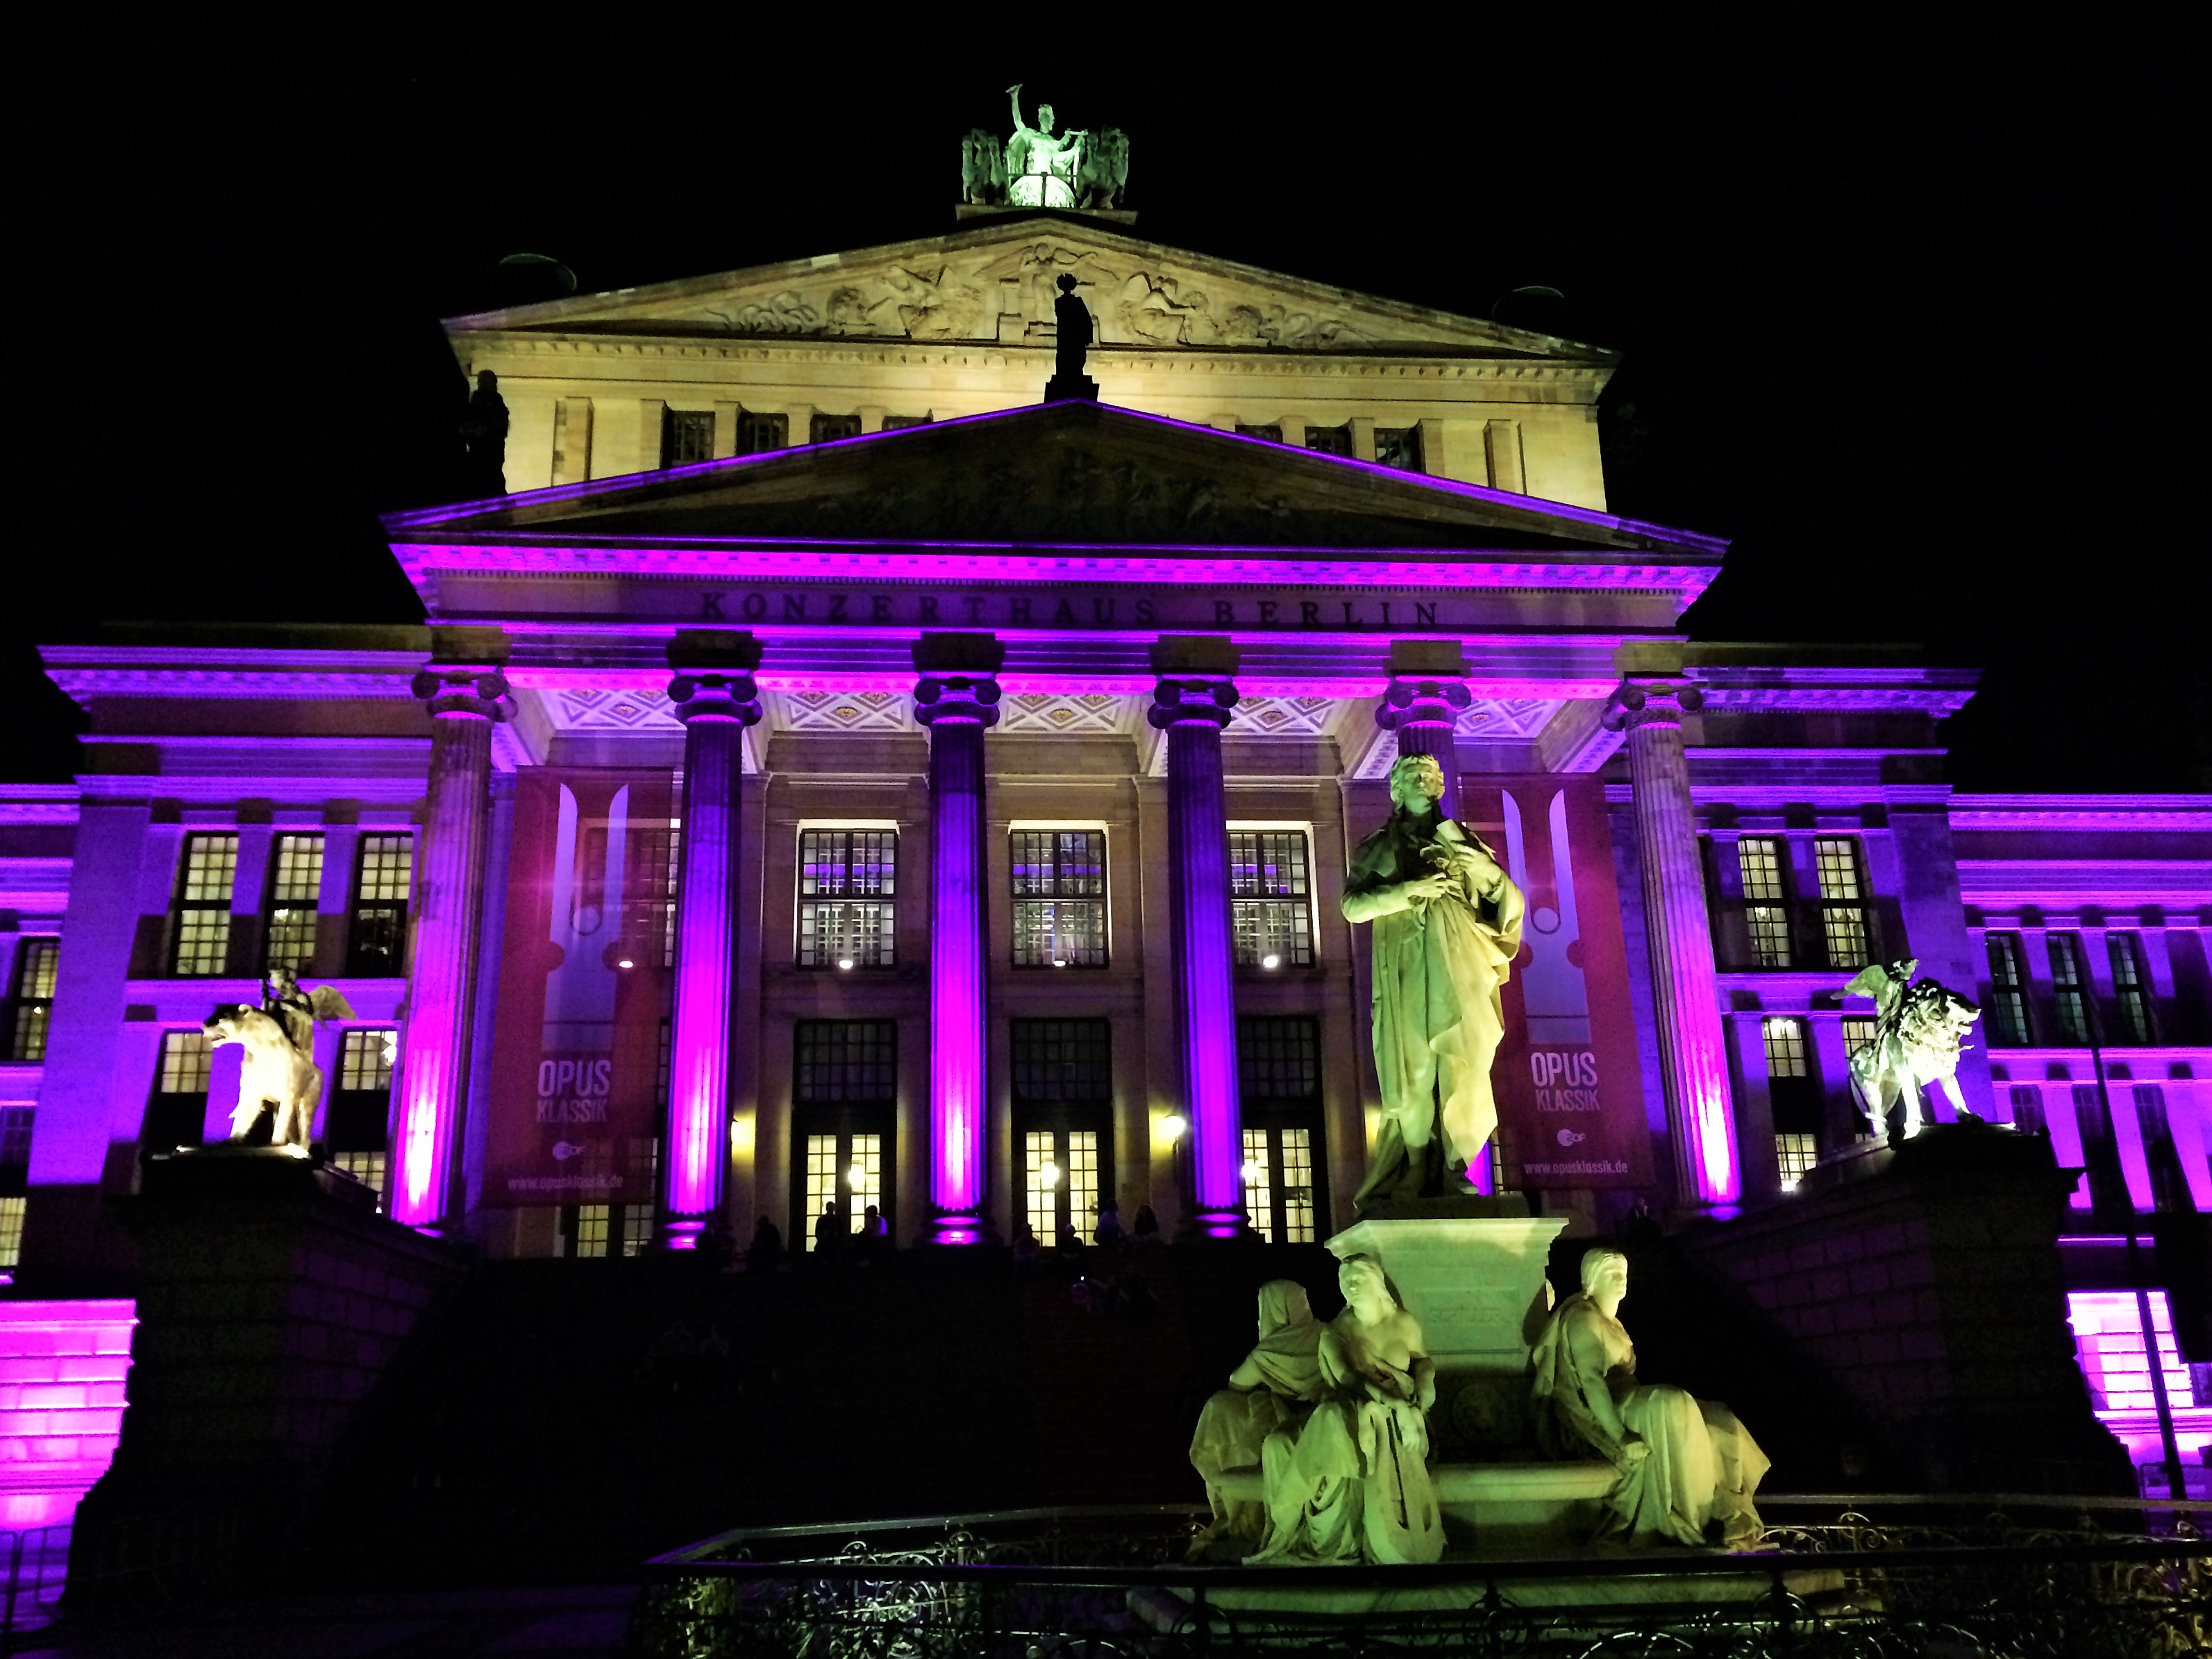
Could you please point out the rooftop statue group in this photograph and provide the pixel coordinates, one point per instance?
(1335, 1418)
(279, 1073)
(1919, 1026)
(1078, 168)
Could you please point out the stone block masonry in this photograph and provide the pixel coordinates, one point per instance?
(62, 1371)
(1926, 1281)
(272, 1301)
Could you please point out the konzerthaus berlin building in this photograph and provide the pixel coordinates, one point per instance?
(832, 776)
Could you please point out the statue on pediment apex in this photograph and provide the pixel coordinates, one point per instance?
(1041, 168)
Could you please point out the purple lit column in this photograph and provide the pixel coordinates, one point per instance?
(1191, 704)
(465, 701)
(1685, 992)
(957, 700)
(1423, 705)
(714, 696)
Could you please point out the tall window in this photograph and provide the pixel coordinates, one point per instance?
(1329, 440)
(177, 1115)
(2008, 992)
(651, 924)
(1766, 899)
(758, 433)
(15, 1180)
(296, 886)
(36, 960)
(202, 929)
(847, 908)
(383, 877)
(687, 437)
(1842, 900)
(1063, 1091)
(2128, 989)
(1399, 446)
(1269, 898)
(2066, 998)
(844, 1088)
(1060, 898)
(1792, 1093)
(356, 1132)
(1278, 1078)
(828, 428)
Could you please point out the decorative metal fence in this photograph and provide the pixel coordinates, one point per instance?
(1107, 1584)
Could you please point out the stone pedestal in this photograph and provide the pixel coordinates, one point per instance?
(1062, 388)
(272, 1299)
(1476, 1283)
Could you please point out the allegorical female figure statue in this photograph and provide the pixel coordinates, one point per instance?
(1447, 928)
(1041, 168)
(1687, 1468)
(1353, 1484)
(1274, 1388)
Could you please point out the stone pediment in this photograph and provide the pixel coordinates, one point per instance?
(1067, 472)
(996, 282)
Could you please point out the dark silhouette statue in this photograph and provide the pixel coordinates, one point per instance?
(483, 434)
(1071, 322)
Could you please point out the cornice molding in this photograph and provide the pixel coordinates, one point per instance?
(2024, 813)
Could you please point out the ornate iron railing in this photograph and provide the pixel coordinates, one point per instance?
(1105, 1584)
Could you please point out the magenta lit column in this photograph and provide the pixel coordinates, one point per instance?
(1685, 992)
(464, 702)
(714, 694)
(1191, 704)
(957, 700)
(1423, 706)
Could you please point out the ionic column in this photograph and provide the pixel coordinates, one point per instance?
(1685, 992)
(714, 694)
(465, 701)
(1427, 692)
(957, 700)
(1191, 704)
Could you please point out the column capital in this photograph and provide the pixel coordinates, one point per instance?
(1427, 701)
(956, 697)
(1180, 701)
(477, 689)
(1638, 701)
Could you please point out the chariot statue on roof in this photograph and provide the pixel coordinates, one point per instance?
(1041, 169)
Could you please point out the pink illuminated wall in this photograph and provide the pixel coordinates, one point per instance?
(62, 1371)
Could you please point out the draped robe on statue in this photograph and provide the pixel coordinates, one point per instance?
(1440, 968)
(1702, 1467)
(1274, 1388)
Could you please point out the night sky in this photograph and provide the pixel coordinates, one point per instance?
(1904, 312)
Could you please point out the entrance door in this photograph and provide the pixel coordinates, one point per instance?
(1060, 1182)
(1280, 1191)
(843, 1167)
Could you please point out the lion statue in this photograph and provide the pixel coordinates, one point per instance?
(1103, 173)
(1918, 1029)
(278, 1073)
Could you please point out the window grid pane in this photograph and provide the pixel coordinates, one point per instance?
(687, 437)
(846, 1060)
(1329, 440)
(1769, 926)
(1398, 446)
(381, 886)
(1058, 1061)
(185, 1063)
(2007, 999)
(365, 1059)
(1785, 1046)
(848, 881)
(34, 997)
(367, 1168)
(864, 1181)
(1838, 859)
(1259, 1189)
(591, 1231)
(1059, 897)
(296, 886)
(1279, 1059)
(1843, 925)
(2128, 988)
(1859, 1033)
(388, 869)
(1797, 1154)
(203, 927)
(1296, 1162)
(1270, 902)
(821, 1181)
(11, 1230)
(1760, 858)
(2066, 988)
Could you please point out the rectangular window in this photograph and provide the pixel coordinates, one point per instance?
(1273, 434)
(758, 433)
(2008, 993)
(177, 1115)
(36, 961)
(1795, 1154)
(1278, 1183)
(1060, 898)
(11, 1230)
(1329, 440)
(383, 876)
(1766, 899)
(1842, 901)
(847, 894)
(1063, 1091)
(1859, 1033)
(828, 428)
(1792, 1088)
(651, 886)
(2129, 990)
(900, 423)
(638, 1215)
(844, 1086)
(2108, 1341)
(1061, 1061)
(1785, 1048)
(687, 437)
(844, 1061)
(1279, 1079)
(202, 929)
(845, 1172)
(2066, 999)
(1399, 446)
(1060, 1183)
(356, 1132)
(295, 889)
(1270, 898)
(15, 1180)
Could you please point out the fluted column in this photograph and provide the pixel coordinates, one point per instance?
(957, 699)
(1685, 992)
(714, 694)
(465, 701)
(1191, 703)
(1422, 706)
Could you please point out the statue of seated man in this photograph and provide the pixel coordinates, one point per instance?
(1353, 1484)
(1275, 1388)
(1687, 1468)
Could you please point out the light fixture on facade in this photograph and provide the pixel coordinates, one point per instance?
(1048, 1174)
(625, 962)
(856, 1175)
(1172, 1126)
(1271, 961)
(845, 964)
(1253, 1172)
(1058, 963)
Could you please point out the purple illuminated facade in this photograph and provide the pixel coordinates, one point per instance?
(1021, 758)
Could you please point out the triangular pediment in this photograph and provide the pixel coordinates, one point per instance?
(1072, 473)
(995, 280)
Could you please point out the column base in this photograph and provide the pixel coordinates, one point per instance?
(682, 1233)
(1228, 1226)
(965, 1228)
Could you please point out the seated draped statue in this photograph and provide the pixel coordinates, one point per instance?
(1688, 1468)
(1274, 1388)
(1353, 1484)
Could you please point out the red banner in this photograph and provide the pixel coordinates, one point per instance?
(584, 989)
(1570, 1094)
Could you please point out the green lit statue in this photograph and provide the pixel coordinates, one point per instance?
(1041, 168)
